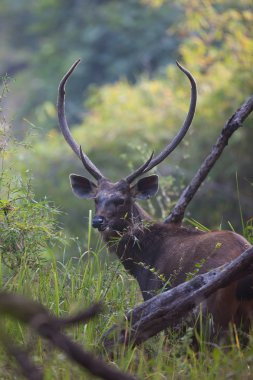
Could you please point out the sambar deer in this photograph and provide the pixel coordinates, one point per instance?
(160, 255)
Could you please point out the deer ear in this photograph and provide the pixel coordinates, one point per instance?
(82, 187)
(145, 188)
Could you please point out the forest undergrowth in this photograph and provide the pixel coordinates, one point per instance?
(67, 285)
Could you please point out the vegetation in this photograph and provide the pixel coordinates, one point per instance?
(123, 116)
(78, 282)
(126, 98)
(27, 226)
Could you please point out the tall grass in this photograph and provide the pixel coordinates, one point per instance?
(67, 285)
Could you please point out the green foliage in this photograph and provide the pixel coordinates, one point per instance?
(248, 230)
(196, 270)
(114, 39)
(137, 104)
(27, 227)
(218, 34)
(73, 284)
(126, 119)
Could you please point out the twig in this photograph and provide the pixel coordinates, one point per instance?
(85, 359)
(235, 122)
(27, 367)
(81, 317)
(49, 327)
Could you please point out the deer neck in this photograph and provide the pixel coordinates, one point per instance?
(137, 216)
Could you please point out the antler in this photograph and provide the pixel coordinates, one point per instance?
(151, 162)
(179, 136)
(92, 169)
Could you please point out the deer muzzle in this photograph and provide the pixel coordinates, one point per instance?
(98, 222)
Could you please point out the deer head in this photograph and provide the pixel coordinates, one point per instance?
(115, 202)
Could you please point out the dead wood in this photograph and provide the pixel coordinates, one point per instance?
(167, 309)
(235, 122)
(49, 327)
(27, 368)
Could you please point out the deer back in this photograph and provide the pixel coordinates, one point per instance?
(162, 255)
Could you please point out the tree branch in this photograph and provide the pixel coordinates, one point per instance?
(235, 122)
(167, 309)
(49, 327)
(27, 368)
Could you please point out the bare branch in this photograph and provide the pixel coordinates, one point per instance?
(167, 309)
(27, 368)
(85, 359)
(81, 317)
(49, 327)
(235, 122)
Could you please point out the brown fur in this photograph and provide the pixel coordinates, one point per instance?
(162, 255)
(158, 253)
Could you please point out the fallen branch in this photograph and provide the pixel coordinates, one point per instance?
(27, 368)
(235, 122)
(28, 311)
(49, 327)
(167, 309)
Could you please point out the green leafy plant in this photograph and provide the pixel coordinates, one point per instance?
(27, 227)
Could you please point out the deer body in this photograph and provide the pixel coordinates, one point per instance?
(159, 255)
(163, 255)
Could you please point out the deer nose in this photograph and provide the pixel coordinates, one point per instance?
(97, 221)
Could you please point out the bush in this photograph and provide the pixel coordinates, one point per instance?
(27, 227)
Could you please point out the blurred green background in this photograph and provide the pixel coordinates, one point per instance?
(127, 96)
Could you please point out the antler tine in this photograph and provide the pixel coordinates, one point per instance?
(180, 135)
(140, 170)
(92, 169)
